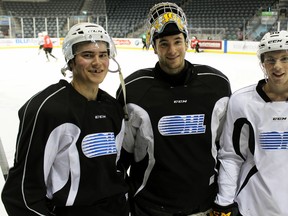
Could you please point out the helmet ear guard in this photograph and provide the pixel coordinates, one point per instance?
(272, 41)
(162, 14)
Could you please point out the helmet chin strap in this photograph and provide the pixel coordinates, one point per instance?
(126, 116)
(64, 69)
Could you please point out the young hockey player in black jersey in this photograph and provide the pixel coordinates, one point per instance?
(254, 145)
(176, 111)
(70, 138)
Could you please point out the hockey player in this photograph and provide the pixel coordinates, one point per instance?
(70, 139)
(176, 110)
(143, 38)
(254, 145)
(48, 46)
(195, 44)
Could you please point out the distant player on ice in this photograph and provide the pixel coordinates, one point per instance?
(195, 44)
(48, 46)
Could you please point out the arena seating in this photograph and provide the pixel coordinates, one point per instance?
(127, 16)
(231, 15)
(50, 9)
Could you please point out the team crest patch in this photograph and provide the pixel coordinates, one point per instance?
(99, 144)
(181, 125)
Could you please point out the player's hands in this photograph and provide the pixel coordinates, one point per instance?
(230, 210)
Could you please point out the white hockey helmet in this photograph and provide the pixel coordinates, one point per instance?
(160, 16)
(273, 41)
(82, 32)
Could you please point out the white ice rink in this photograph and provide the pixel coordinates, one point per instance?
(24, 72)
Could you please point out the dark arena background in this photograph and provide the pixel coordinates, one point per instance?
(217, 19)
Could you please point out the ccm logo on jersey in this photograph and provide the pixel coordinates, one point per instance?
(100, 116)
(180, 101)
(279, 118)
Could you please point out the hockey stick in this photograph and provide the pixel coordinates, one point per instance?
(3, 161)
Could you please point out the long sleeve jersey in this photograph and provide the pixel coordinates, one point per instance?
(48, 43)
(173, 127)
(66, 153)
(254, 154)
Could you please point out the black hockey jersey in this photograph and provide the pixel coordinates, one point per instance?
(66, 153)
(171, 135)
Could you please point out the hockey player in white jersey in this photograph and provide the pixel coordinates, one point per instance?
(254, 145)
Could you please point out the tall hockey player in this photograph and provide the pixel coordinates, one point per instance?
(254, 145)
(70, 139)
(176, 111)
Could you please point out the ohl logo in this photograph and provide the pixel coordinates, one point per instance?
(99, 144)
(274, 140)
(181, 125)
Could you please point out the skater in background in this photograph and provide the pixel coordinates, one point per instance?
(70, 139)
(144, 41)
(195, 44)
(40, 42)
(48, 46)
(254, 144)
(176, 111)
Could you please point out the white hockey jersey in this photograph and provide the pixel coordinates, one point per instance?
(254, 154)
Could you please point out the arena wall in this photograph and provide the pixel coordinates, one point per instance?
(215, 46)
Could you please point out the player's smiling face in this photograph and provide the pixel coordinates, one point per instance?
(171, 52)
(276, 65)
(91, 63)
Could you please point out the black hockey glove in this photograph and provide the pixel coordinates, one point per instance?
(230, 210)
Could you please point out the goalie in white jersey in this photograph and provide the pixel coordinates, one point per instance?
(254, 145)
